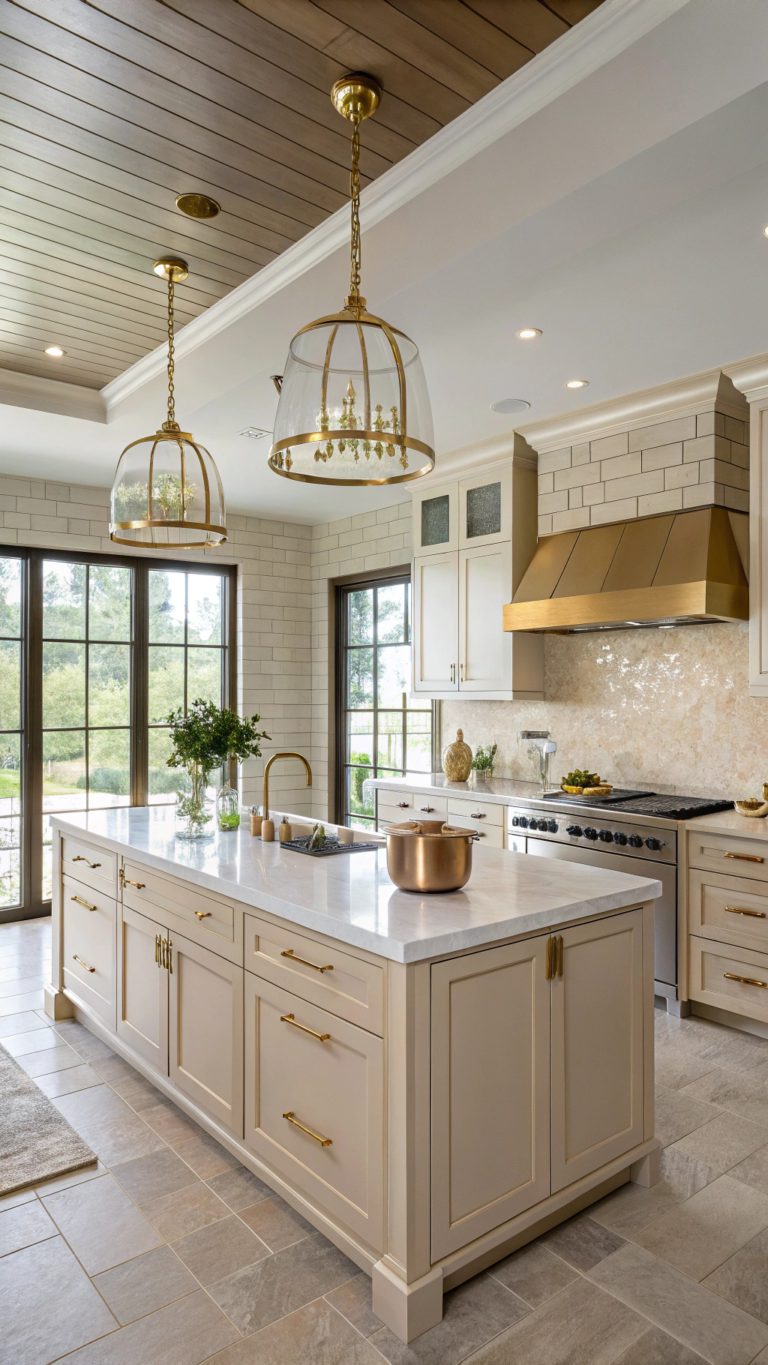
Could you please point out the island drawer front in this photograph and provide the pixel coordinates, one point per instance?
(396, 806)
(491, 836)
(724, 853)
(89, 864)
(210, 920)
(89, 921)
(330, 1081)
(483, 812)
(353, 988)
(731, 909)
(734, 979)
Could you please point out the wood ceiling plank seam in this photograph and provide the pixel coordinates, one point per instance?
(470, 33)
(64, 376)
(37, 320)
(33, 352)
(57, 26)
(273, 170)
(527, 21)
(69, 269)
(572, 11)
(298, 17)
(72, 346)
(18, 310)
(40, 280)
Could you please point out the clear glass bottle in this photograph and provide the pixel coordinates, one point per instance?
(228, 808)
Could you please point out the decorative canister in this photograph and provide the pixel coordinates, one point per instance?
(457, 759)
(228, 808)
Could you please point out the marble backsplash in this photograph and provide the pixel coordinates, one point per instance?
(663, 709)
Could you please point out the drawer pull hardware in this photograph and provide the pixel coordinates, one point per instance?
(75, 958)
(203, 914)
(427, 809)
(453, 673)
(291, 1019)
(126, 881)
(166, 954)
(79, 900)
(158, 942)
(745, 980)
(745, 857)
(740, 910)
(81, 858)
(288, 952)
(476, 815)
(559, 955)
(550, 958)
(403, 805)
(310, 1132)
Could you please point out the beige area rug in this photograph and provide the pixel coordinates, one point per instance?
(36, 1143)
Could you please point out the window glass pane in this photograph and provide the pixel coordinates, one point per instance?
(163, 781)
(166, 606)
(435, 520)
(10, 685)
(484, 510)
(109, 768)
(390, 740)
(204, 675)
(391, 613)
(360, 737)
(394, 675)
(109, 684)
(356, 803)
(63, 685)
(10, 774)
(63, 600)
(10, 862)
(204, 609)
(109, 607)
(359, 678)
(166, 681)
(10, 596)
(419, 751)
(360, 617)
(64, 782)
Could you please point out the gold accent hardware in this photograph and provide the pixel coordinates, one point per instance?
(310, 1132)
(291, 1019)
(477, 815)
(158, 941)
(286, 753)
(745, 857)
(745, 980)
(81, 858)
(740, 910)
(550, 958)
(199, 206)
(169, 957)
(558, 971)
(126, 881)
(203, 914)
(83, 964)
(87, 905)
(288, 952)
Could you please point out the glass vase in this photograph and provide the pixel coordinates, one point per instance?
(194, 814)
(228, 808)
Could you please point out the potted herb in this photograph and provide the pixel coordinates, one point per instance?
(204, 739)
(483, 762)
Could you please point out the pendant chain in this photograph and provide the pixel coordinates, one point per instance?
(355, 243)
(171, 355)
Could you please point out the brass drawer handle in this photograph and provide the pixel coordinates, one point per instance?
(740, 910)
(745, 857)
(81, 858)
(745, 980)
(203, 914)
(79, 900)
(477, 815)
(82, 964)
(559, 955)
(139, 885)
(288, 952)
(291, 1019)
(310, 1132)
(158, 942)
(166, 954)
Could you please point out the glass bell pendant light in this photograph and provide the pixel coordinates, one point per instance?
(354, 406)
(167, 492)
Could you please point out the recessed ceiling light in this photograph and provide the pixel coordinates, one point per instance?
(254, 433)
(198, 206)
(765, 230)
(577, 383)
(55, 351)
(529, 333)
(510, 405)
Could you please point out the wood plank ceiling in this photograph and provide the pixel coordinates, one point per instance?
(111, 108)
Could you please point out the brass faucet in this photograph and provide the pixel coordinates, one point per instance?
(268, 765)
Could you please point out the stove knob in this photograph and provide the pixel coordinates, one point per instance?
(575, 831)
(523, 822)
(590, 833)
(635, 841)
(536, 824)
(515, 820)
(620, 839)
(552, 826)
(654, 844)
(606, 836)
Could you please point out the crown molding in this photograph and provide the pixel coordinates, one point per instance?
(750, 377)
(511, 446)
(19, 390)
(602, 35)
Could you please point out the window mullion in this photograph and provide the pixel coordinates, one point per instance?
(139, 740)
(32, 772)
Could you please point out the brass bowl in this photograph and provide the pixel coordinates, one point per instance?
(429, 856)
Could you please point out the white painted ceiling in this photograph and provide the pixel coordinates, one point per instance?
(623, 217)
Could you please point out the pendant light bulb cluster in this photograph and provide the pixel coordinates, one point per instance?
(167, 492)
(354, 406)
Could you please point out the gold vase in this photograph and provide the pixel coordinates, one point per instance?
(457, 759)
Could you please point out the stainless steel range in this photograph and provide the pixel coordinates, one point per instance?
(629, 831)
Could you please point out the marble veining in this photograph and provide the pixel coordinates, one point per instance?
(350, 897)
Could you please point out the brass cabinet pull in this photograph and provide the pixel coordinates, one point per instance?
(139, 885)
(170, 956)
(81, 858)
(288, 952)
(310, 1132)
(166, 954)
(291, 1019)
(477, 815)
(158, 942)
(745, 857)
(740, 910)
(550, 958)
(79, 900)
(203, 914)
(559, 956)
(745, 980)
(83, 964)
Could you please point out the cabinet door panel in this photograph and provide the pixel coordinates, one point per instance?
(435, 519)
(485, 648)
(490, 1119)
(142, 989)
(597, 1046)
(205, 1058)
(485, 508)
(436, 613)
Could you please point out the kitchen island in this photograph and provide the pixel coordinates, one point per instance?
(432, 1081)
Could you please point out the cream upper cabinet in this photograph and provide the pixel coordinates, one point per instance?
(435, 623)
(436, 518)
(205, 1043)
(485, 650)
(485, 509)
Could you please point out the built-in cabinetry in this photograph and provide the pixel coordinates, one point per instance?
(487, 818)
(473, 539)
(727, 917)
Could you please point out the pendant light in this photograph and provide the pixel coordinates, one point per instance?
(354, 407)
(167, 492)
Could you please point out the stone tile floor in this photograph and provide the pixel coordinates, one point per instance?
(171, 1253)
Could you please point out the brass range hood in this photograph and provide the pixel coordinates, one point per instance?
(655, 571)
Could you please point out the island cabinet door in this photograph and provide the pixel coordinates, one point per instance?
(142, 988)
(597, 1046)
(205, 1046)
(490, 1090)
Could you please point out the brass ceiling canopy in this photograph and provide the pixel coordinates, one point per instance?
(354, 406)
(199, 206)
(167, 492)
(666, 570)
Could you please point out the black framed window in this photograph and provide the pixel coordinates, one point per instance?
(94, 653)
(382, 729)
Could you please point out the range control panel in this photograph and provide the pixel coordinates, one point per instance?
(594, 829)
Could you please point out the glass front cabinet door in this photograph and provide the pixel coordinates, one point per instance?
(485, 509)
(435, 520)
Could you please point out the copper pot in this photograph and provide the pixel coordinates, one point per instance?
(428, 855)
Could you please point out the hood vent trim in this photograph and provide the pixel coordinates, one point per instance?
(678, 569)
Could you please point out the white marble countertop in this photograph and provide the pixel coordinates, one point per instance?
(730, 822)
(500, 791)
(350, 896)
